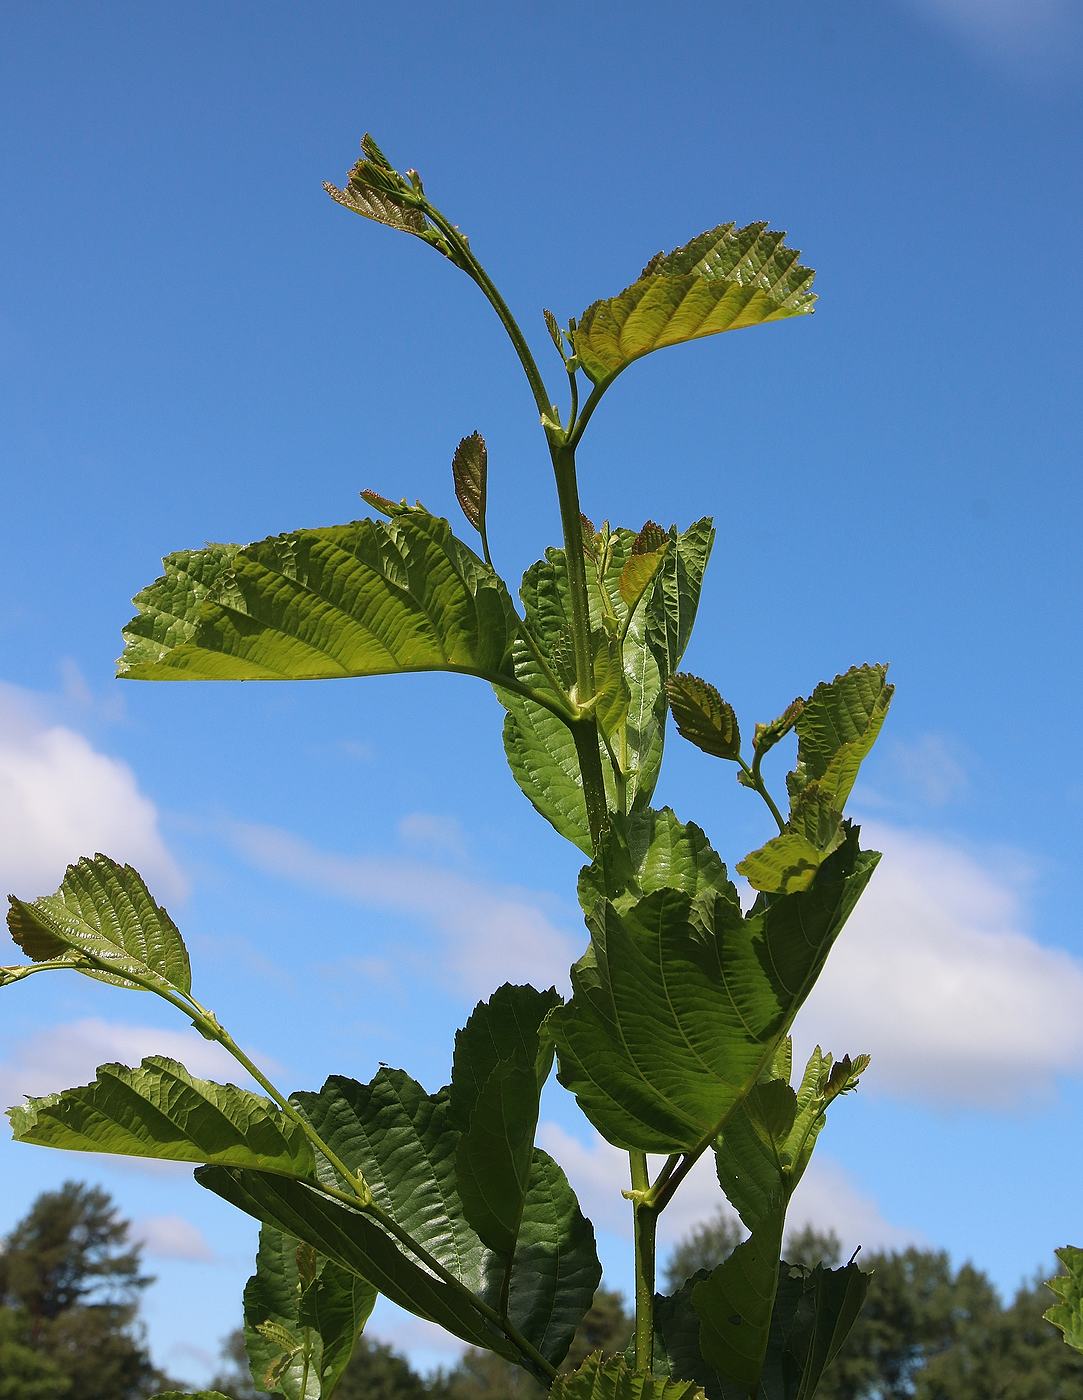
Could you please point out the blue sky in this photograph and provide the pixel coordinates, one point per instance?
(197, 344)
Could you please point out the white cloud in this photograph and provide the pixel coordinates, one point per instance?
(827, 1198)
(428, 831)
(60, 798)
(493, 933)
(61, 1057)
(173, 1237)
(928, 769)
(938, 978)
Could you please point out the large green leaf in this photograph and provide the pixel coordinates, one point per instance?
(724, 279)
(355, 1241)
(159, 1110)
(761, 1157)
(362, 599)
(410, 1141)
(500, 1066)
(678, 1009)
(598, 1379)
(814, 1310)
(649, 851)
(302, 1316)
(650, 631)
(103, 911)
(836, 727)
(1067, 1314)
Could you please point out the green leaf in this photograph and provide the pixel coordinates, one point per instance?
(610, 682)
(159, 1110)
(836, 728)
(703, 717)
(105, 911)
(649, 851)
(678, 1010)
(813, 1313)
(469, 467)
(598, 1379)
(786, 864)
(540, 747)
(723, 280)
(761, 1156)
(356, 1242)
(376, 190)
(190, 1395)
(289, 1317)
(362, 599)
(499, 1069)
(1067, 1314)
(411, 1143)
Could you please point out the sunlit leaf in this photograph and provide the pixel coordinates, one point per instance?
(723, 280)
(103, 911)
(362, 599)
(159, 1110)
(678, 1010)
(540, 748)
(1067, 1314)
(375, 190)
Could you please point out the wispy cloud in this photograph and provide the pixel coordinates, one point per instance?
(827, 1198)
(173, 1237)
(61, 798)
(63, 1056)
(938, 977)
(1015, 33)
(491, 932)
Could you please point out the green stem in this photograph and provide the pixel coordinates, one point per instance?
(470, 265)
(578, 428)
(308, 1358)
(754, 777)
(645, 1218)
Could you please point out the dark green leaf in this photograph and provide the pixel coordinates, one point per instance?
(159, 1110)
(469, 467)
(761, 1156)
(105, 911)
(289, 1318)
(362, 599)
(677, 1011)
(724, 279)
(1067, 1314)
(355, 1242)
(598, 1379)
(703, 717)
(499, 1069)
(410, 1142)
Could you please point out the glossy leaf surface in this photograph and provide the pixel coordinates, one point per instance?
(105, 911)
(411, 1142)
(362, 599)
(161, 1111)
(677, 1010)
(356, 1242)
(723, 280)
(649, 634)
